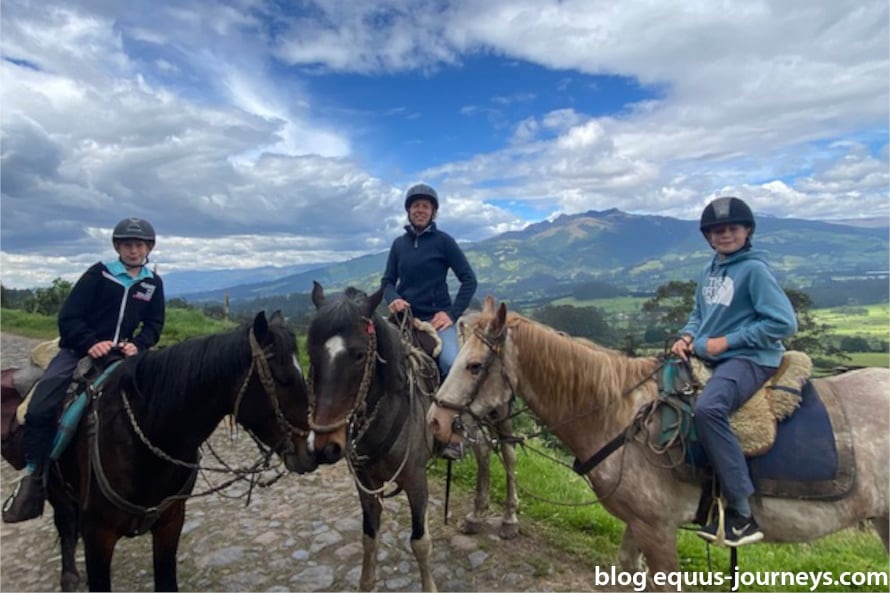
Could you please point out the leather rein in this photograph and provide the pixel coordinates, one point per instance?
(148, 515)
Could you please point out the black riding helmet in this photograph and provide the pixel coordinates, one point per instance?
(726, 210)
(133, 228)
(418, 191)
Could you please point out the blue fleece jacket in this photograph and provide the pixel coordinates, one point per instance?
(738, 297)
(417, 268)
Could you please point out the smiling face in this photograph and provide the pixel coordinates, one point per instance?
(726, 239)
(420, 213)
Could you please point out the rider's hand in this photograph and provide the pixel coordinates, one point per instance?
(100, 349)
(398, 305)
(129, 348)
(683, 347)
(441, 320)
(717, 346)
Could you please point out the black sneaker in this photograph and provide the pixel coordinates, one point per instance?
(27, 500)
(738, 530)
(741, 530)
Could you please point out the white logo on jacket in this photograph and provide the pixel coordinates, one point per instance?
(718, 291)
(147, 291)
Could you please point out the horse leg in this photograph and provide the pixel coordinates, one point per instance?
(65, 519)
(165, 542)
(421, 543)
(472, 523)
(658, 545)
(371, 508)
(510, 522)
(882, 526)
(630, 558)
(98, 544)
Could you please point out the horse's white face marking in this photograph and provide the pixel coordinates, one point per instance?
(334, 347)
(297, 366)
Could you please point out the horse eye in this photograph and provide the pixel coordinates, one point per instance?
(474, 368)
(358, 356)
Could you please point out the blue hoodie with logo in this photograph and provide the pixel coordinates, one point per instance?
(738, 297)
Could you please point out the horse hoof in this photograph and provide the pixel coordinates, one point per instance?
(70, 581)
(509, 530)
(470, 526)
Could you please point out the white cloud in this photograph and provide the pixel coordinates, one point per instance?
(205, 122)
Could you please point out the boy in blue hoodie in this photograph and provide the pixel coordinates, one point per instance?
(737, 324)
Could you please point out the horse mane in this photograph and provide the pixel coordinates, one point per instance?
(568, 369)
(165, 380)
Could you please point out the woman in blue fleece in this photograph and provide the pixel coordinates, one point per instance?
(105, 309)
(738, 322)
(416, 271)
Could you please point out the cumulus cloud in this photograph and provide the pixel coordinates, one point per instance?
(211, 123)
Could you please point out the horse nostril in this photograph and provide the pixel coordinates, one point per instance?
(332, 453)
(435, 427)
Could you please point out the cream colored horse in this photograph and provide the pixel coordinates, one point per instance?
(586, 396)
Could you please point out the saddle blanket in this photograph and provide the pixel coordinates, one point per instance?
(812, 457)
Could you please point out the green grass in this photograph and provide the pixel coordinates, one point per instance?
(870, 321)
(559, 505)
(609, 306)
(180, 324)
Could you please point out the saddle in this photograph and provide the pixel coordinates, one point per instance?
(420, 334)
(755, 423)
(796, 440)
(88, 376)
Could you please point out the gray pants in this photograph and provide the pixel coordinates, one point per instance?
(733, 383)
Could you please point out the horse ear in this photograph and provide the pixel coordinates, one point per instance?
(317, 295)
(500, 320)
(374, 301)
(277, 318)
(260, 326)
(488, 306)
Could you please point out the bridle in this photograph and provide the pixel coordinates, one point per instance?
(259, 365)
(495, 345)
(361, 396)
(358, 420)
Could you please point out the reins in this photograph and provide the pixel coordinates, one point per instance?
(260, 366)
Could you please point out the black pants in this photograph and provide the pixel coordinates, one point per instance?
(43, 410)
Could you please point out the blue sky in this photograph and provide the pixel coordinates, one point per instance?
(257, 133)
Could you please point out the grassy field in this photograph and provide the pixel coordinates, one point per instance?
(558, 503)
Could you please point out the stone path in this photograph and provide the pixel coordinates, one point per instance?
(301, 534)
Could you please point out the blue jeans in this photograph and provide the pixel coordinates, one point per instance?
(733, 383)
(449, 349)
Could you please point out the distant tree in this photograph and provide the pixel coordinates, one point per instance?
(668, 310)
(855, 344)
(178, 303)
(585, 322)
(811, 336)
(48, 301)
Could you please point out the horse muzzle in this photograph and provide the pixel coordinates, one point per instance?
(446, 425)
(329, 447)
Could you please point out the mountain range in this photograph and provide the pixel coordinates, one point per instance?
(635, 252)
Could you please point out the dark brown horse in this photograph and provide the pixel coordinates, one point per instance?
(132, 463)
(587, 395)
(369, 395)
